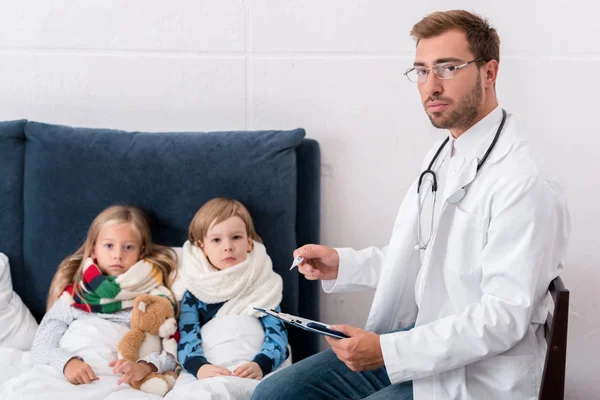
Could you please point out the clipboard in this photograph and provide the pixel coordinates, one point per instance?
(304, 323)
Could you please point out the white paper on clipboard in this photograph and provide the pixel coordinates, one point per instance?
(304, 323)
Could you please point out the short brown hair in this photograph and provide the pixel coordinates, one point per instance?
(216, 211)
(483, 40)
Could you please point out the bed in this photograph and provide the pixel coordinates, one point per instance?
(56, 179)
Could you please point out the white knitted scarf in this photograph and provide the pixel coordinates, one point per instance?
(251, 283)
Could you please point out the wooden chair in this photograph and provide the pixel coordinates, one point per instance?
(553, 378)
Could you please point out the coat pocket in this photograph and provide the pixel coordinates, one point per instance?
(464, 243)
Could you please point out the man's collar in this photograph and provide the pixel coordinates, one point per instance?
(469, 144)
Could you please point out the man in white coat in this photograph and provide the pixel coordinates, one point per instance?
(471, 272)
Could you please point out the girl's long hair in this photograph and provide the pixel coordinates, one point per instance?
(70, 269)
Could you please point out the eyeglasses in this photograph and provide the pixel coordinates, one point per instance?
(441, 71)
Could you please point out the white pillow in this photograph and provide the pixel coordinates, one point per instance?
(17, 324)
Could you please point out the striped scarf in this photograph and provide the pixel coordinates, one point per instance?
(99, 293)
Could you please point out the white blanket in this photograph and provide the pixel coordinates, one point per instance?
(95, 340)
(229, 342)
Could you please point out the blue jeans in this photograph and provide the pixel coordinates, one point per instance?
(324, 376)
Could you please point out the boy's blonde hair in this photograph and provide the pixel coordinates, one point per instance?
(216, 211)
(70, 269)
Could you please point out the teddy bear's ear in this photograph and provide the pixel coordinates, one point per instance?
(142, 306)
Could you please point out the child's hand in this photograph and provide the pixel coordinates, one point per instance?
(79, 372)
(131, 371)
(209, 370)
(249, 370)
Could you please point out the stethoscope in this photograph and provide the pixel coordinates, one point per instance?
(455, 198)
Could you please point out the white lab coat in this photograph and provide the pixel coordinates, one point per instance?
(480, 309)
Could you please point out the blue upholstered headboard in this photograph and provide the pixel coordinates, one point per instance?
(56, 179)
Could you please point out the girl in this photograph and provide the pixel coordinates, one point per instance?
(226, 271)
(117, 262)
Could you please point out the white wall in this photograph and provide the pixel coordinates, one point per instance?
(335, 68)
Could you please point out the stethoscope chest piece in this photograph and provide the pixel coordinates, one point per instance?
(457, 196)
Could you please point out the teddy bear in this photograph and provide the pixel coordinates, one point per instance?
(153, 325)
